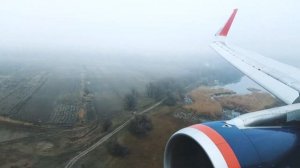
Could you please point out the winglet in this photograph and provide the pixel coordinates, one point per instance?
(224, 31)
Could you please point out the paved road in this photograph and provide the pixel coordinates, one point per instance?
(106, 137)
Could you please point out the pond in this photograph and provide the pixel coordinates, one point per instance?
(244, 86)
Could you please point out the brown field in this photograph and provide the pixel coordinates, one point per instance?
(202, 101)
(250, 102)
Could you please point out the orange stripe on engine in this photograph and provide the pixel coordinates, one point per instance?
(221, 143)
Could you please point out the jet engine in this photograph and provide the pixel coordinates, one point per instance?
(267, 138)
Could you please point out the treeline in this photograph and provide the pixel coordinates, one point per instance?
(160, 89)
(170, 89)
(173, 88)
(131, 100)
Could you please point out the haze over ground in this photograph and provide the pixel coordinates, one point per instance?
(69, 68)
(148, 28)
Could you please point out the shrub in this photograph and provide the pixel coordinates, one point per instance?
(117, 149)
(140, 126)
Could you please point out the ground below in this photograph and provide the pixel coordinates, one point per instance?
(147, 152)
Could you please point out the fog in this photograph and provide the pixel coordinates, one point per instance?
(165, 28)
(74, 74)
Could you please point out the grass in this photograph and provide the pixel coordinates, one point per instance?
(146, 152)
(250, 102)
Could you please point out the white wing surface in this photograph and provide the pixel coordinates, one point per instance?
(280, 79)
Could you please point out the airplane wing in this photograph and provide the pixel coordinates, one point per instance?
(280, 79)
(266, 138)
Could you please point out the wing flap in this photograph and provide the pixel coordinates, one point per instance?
(285, 73)
(281, 90)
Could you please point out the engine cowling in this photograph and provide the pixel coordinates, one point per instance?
(242, 142)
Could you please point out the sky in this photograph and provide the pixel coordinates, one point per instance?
(149, 27)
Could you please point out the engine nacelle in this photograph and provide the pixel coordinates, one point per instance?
(250, 140)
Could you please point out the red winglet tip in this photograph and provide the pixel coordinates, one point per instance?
(224, 31)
